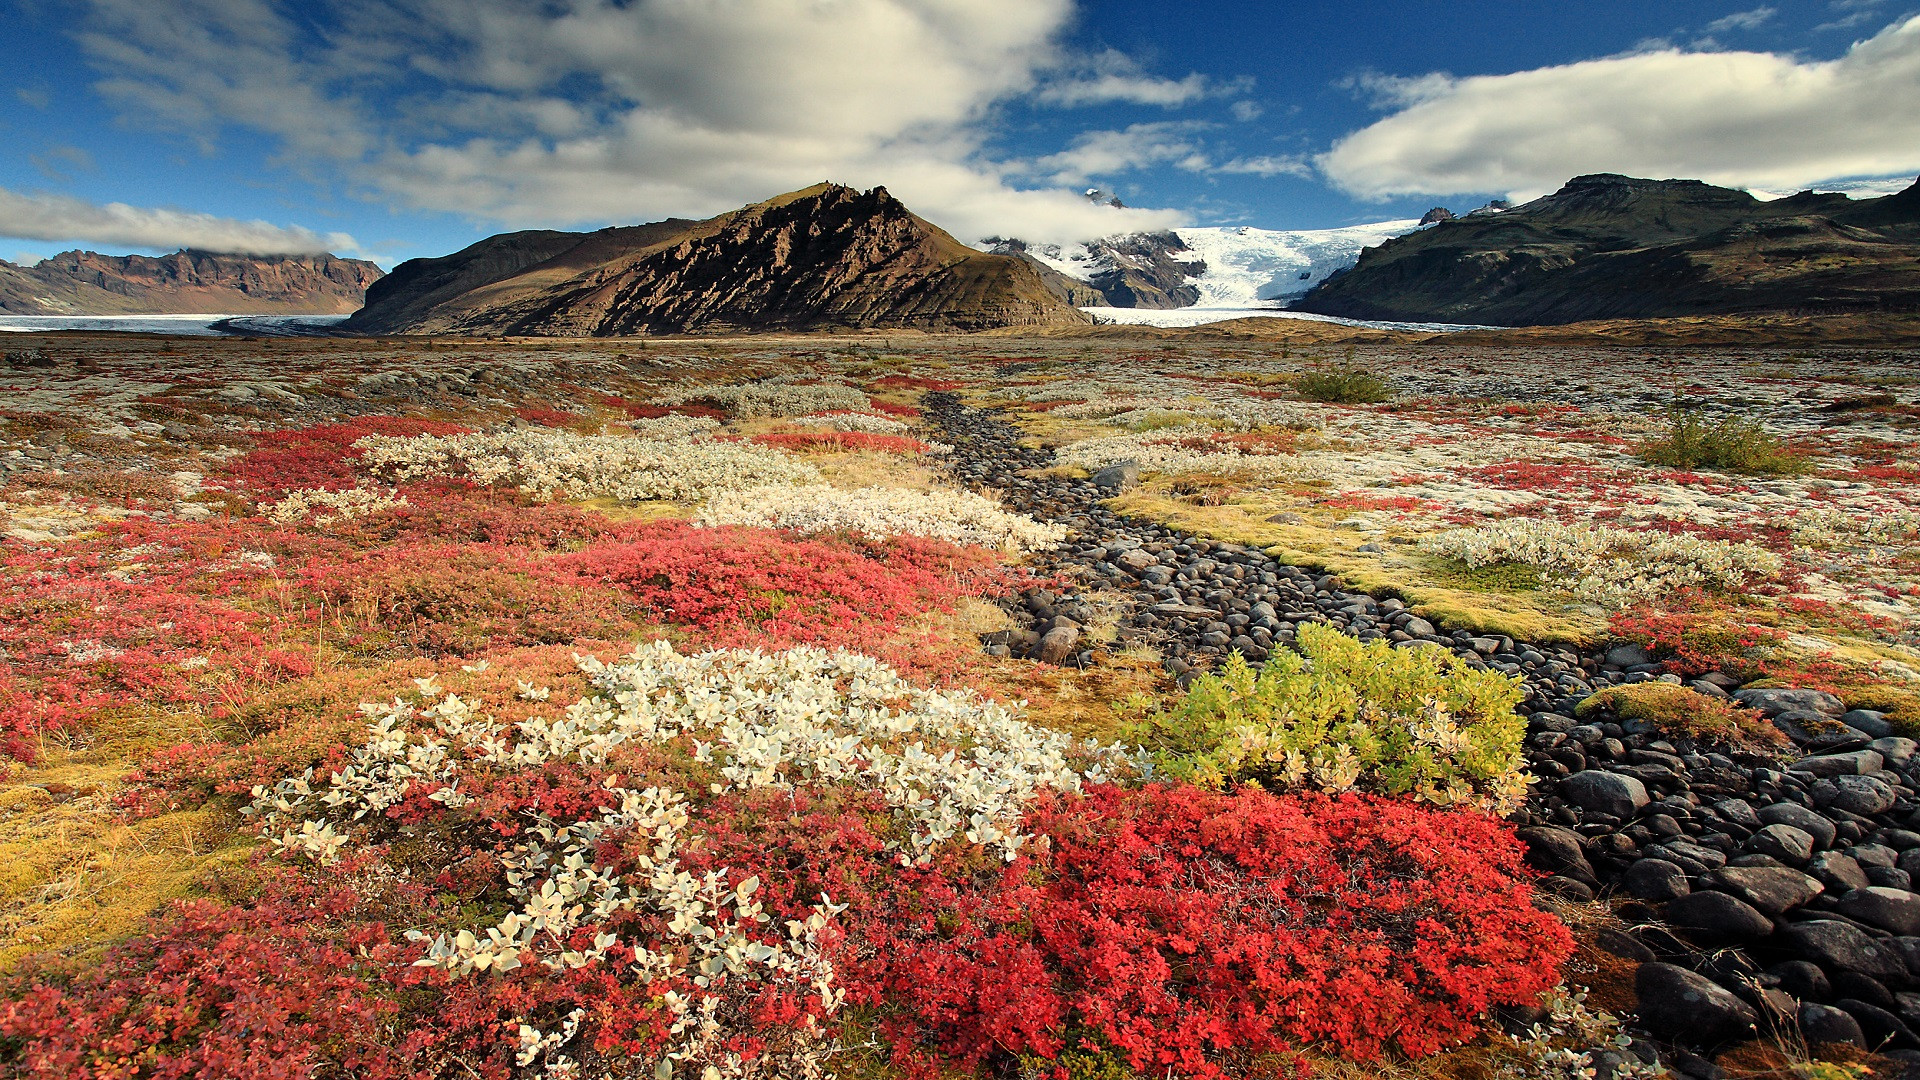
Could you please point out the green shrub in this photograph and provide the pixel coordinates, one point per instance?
(1350, 714)
(1729, 442)
(1344, 383)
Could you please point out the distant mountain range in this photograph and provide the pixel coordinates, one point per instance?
(826, 257)
(89, 283)
(1613, 247)
(1230, 267)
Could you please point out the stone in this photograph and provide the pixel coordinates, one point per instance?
(1786, 813)
(1780, 699)
(1842, 946)
(1881, 1027)
(1624, 945)
(1898, 751)
(1837, 871)
(1656, 880)
(1718, 915)
(1628, 655)
(1287, 517)
(1869, 721)
(1057, 644)
(1783, 842)
(1117, 478)
(1184, 611)
(1852, 763)
(1419, 627)
(1895, 910)
(1605, 792)
(1135, 561)
(1863, 795)
(1826, 1024)
(1803, 980)
(1557, 851)
(1676, 1004)
(1770, 890)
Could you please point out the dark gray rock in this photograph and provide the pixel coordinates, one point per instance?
(1778, 700)
(1837, 871)
(1656, 880)
(1557, 851)
(1838, 945)
(1784, 842)
(1851, 763)
(1786, 813)
(1863, 795)
(1057, 645)
(1803, 980)
(1606, 792)
(1114, 479)
(1895, 910)
(1719, 916)
(1882, 1028)
(1896, 749)
(1869, 721)
(1628, 655)
(1770, 890)
(1826, 1024)
(1676, 1004)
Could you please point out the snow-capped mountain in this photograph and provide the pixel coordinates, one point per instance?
(1229, 267)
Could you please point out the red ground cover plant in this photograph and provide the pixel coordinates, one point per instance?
(741, 586)
(321, 456)
(910, 382)
(842, 440)
(545, 417)
(1698, 634)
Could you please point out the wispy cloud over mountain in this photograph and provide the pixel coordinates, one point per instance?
(40, 216)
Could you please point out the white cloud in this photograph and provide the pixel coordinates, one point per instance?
(1735, 118)
(1742, 20)
(63, 218)
(1139, 146)
(584, 111)
(1268, 165)
(1247, 111)
(1115, 76)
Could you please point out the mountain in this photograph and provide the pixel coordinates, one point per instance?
(826, 257)
(1232, 267)
(185, 282)
(1612, 247)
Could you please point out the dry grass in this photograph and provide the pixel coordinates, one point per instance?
(1678, 710)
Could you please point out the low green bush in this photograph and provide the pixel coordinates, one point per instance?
(1347, 715)
(1734, 443)
(1344, 383)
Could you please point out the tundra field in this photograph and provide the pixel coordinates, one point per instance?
(1078, 707)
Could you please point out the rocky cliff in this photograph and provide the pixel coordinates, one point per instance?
(89, 283)
(1610, 247)
(827, 257)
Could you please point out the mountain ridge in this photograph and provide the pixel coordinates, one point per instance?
(188, 281)
(824, 257)
(1607, 246)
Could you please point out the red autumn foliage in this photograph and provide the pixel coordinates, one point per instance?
(1697, 634)
(744, 586)
(842, 440)
(321, 456)
(545, 417)
(910, 382)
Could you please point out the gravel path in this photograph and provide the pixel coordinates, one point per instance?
(1762, 892)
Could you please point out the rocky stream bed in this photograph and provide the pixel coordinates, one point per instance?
(1760, 892)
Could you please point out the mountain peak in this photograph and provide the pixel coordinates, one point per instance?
(827, 256)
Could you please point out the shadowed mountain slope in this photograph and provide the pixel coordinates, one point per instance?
(1611, 247)
(826, 257)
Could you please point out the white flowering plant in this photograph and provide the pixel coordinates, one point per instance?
(698, 944)
(321, 507)
(549, 463)
(958, 517)
(1608, 566)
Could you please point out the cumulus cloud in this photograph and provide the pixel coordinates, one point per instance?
(40, 216)
(1735, 118)
(1139, 146)
(582, 111)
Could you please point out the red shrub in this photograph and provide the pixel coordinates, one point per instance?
(267, 993)
(745, 586)
(1698, 634)
(534, 414)
(319, 457)
(1182, 925)
(842, 440)
(892, 409)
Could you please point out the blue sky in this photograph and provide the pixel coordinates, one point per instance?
(391, 130)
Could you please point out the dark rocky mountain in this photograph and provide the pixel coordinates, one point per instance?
(1135, 270)
(1609, 247)
(89, 283)
(827, 257)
